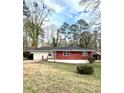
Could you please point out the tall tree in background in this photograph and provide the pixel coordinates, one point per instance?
(63, 35)
(82, 24)
(38, 14)
(86, 39)
(58, 38)
(69, 35)
(75, 32)
(26, 15)
(50, 33)
(54, 42)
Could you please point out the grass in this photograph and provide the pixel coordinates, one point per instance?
(73, 67)
(60, 78)
(25, 58)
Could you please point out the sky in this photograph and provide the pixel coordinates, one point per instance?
(65, 11)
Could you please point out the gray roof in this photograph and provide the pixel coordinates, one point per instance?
(61, 49)
(42, 48)
(71, 48)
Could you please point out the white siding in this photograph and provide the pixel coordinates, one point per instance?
(38, 55)
(69, 61)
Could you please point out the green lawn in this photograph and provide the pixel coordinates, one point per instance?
(60, 78)
(73, 68)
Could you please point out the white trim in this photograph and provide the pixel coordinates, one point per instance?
(69, 61)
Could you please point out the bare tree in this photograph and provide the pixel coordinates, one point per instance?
(90, 5)
(34, 26)
(93, 8)
(26, 15)
(50, 32)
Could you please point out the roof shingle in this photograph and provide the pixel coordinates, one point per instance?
(60, 49)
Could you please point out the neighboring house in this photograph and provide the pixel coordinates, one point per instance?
(62, 54)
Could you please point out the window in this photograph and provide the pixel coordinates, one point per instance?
(85, 53)
(66, 53)
(50, 54)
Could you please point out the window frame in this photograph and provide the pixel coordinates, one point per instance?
(66, 53)
(84, 53)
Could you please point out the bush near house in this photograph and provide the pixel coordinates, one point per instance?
(85, 69)
(26, 54)
(91, 59)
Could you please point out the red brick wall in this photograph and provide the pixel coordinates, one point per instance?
(73, 55)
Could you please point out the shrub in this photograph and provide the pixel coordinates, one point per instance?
(26, 54)
(91, 59)
(85, 69)
(30, 57)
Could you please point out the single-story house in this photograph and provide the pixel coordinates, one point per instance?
(62, 54)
